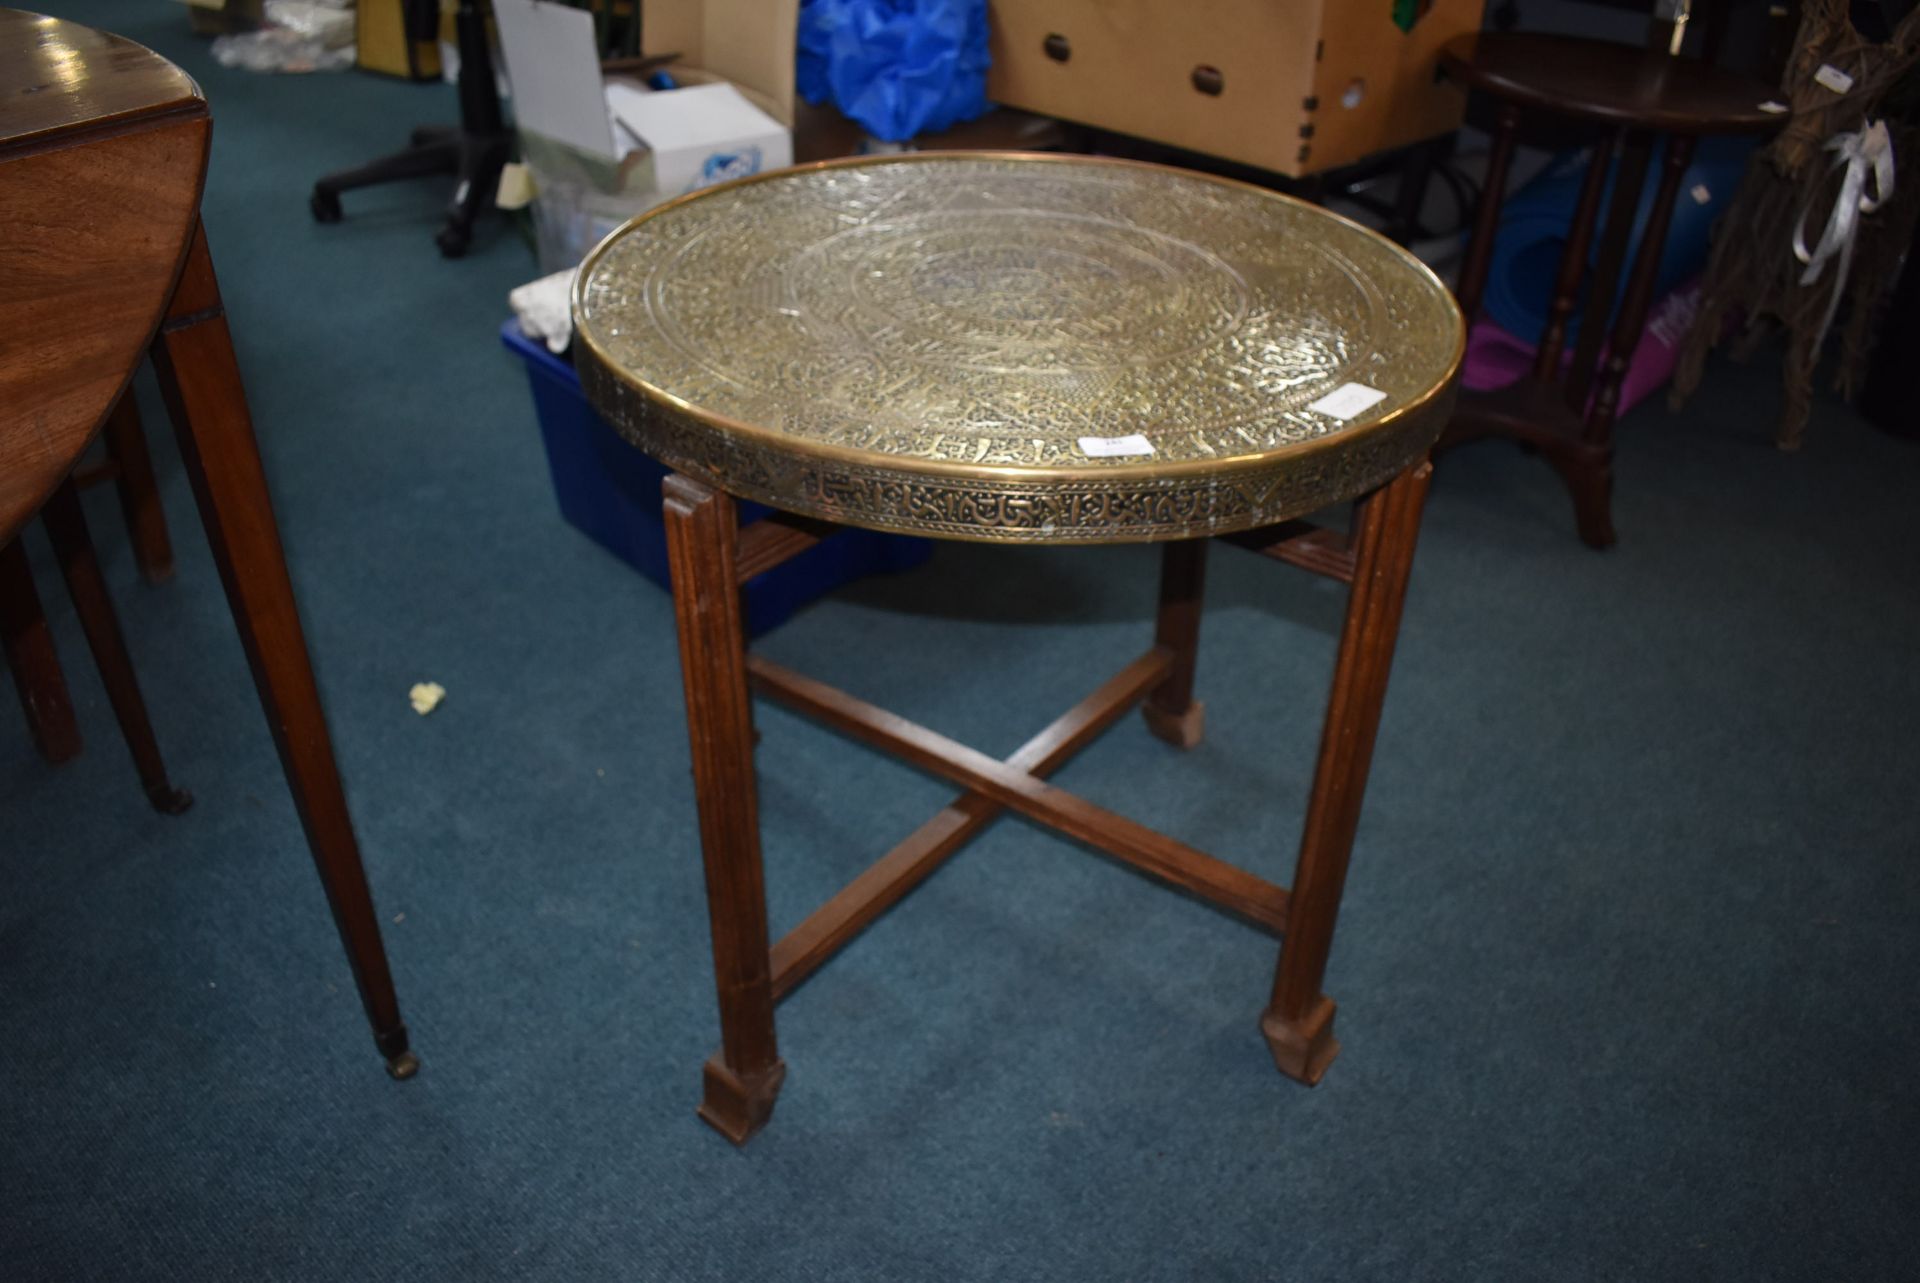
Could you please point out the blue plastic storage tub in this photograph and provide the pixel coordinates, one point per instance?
(612, 492)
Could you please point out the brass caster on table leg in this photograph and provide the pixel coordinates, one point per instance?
(1182, 730)
(169, 801)
(402, 1064)
(1302, 1049)
(738, 1107)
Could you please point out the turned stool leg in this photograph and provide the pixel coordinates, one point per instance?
(200, 381)
(34, 661)
(1586, 464)
(1171, 711)
(743, 1081)
(1486, 223)
(139, 492)
(1631, 323)
(67, 526)
(1299, 1021)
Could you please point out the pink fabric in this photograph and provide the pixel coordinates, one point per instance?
(1496, 358)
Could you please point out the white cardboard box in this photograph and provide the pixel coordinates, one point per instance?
(581, 135)
(702, 134)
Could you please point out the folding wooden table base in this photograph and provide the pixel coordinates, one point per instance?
(711, 557)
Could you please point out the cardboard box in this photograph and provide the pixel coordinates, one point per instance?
(732, 115)
(699, 135)
(1293, 86)
(747, 43)
(220, 17)
(381, 42)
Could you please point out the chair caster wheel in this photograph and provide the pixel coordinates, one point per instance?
(325, 206)
(453, 241)
(403, 1066)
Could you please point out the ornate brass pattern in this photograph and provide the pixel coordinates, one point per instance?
(926, 343)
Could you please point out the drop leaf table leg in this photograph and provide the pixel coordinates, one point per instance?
(200, 380)
(67, 526)
(139, 492)
(33, 659)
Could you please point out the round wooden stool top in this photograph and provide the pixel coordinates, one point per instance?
(1017, 348)
(1611, 83)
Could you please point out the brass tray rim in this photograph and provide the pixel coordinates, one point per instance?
(783, 443)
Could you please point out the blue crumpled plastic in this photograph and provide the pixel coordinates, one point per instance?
(895, 67)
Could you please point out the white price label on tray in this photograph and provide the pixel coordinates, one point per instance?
(1831, 77)
(1115, 447)
(1347, 400)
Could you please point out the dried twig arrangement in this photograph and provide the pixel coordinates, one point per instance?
(1753, 272)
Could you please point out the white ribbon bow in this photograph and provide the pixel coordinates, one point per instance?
(1863, 153)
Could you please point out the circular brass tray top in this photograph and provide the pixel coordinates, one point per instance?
(1010, 348)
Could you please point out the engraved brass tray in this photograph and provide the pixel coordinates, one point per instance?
(1015, 348)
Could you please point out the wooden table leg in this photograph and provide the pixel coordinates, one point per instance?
(743, 1081)
(1573, 264)
(1631, 322)
(1299, 1020)
(1172, 713)
(67, 526)
(200, 381)
(139, 492)
(1486, 223)
(34, 661)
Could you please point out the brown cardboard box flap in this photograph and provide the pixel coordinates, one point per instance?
(749, 42)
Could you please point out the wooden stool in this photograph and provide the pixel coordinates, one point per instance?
(1018, 350)
(103, 150)
(1637, 94)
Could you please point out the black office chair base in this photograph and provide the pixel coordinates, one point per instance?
(474, 152)
(476, 160)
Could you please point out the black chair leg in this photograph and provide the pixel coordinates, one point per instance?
(474, 153)
(418, 161)
(481, 160)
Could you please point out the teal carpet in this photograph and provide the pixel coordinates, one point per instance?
(1629, 973)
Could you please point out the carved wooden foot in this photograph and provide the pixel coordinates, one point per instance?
(1299, 1019)
(1182, 730)
(702, 548)
(1303, 1048)
(737, 1106)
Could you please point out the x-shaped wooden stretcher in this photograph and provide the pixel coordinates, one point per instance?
(711, 557)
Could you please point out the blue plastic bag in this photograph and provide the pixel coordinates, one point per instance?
(895, 67)
(1534, 224)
